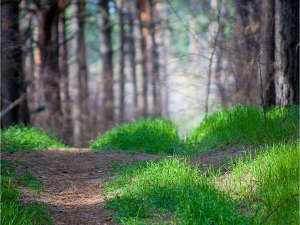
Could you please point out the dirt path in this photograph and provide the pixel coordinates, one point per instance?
(71, 183)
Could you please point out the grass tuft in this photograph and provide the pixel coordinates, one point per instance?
(17, 138)
(245, 125)
(150, 135)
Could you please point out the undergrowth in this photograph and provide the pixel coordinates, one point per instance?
(244, 126)
(150, 135)
(17, 138)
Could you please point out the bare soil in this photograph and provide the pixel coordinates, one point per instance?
(73, 180)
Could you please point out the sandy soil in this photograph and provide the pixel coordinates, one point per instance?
(72, 185)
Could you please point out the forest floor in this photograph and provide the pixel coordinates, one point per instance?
(73, 180)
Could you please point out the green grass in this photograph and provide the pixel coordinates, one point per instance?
(265, 181)
(170, 190)
(229, 127)
(14, 211)
(8, 169)
(17, 138)
(150, 135)
(244, 126)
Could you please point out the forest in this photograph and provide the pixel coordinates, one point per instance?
(150, 111)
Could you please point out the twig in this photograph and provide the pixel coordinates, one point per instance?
(278, 207)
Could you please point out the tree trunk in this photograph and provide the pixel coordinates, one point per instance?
(48, 42)
(165, 40)
(121, 59)
(28, 57)
(153, 60)
(266, 85)
(107, 67)
(131, 55)
(64, 78)
(140, 60)
(286, 55)
(11, 61)
(247, 31)
(81, 104)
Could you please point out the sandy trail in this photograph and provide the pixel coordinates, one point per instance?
(72, 184)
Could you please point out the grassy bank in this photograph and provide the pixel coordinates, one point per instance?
(244, 126)
(256, 189)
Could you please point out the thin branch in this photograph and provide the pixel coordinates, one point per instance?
(12, 105)
(278, 207)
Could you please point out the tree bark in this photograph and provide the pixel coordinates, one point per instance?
(81, 104)
(121, 59)
(48, 42)
(64, 77)
(140, 60)
(107, 67)
(28, 57)
(286, 55)
(266, 85)
(247, 32)
(153, 60)
(11, 62)
(131, 54)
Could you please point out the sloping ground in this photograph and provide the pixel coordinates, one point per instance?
(71, 180)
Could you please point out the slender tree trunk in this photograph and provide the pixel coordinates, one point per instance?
(11, 61)
(48, 42)
(140, 61)
(24, 78)
(64, 77)
(286, 55)
(81, 104)
(153, 61)
(131, 54)
(106, 52)
(266, 85)
(28, 56)
(163, 58)
(121, 59)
